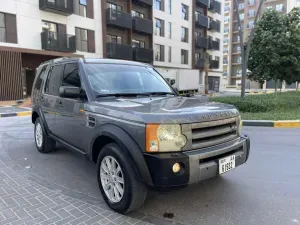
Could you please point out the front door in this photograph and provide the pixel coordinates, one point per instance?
(70, 119)
(50, 98)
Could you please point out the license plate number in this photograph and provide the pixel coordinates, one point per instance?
(226, 164)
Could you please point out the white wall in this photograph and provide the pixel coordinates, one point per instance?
(29, 20)
(175, 42)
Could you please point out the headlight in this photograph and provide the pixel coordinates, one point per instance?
(164, 138)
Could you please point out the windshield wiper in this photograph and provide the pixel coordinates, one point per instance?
(160, 93)
(122, 95)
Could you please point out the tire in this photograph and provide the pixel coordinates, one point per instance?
(45, 144)
(134, 191)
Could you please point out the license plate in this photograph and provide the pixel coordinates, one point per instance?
(226, 164)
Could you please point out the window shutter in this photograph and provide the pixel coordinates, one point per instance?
(11, 28)
(90, 9)
(91, 41)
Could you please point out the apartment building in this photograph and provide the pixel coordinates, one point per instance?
(247, 10)
(35, 31)
(184, 31)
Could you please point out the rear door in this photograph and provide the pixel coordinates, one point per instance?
(51, 97)
(70, 119)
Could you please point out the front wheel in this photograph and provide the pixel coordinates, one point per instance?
(118, 181)
(43, 142)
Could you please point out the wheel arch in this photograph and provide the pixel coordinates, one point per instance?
(110, 133)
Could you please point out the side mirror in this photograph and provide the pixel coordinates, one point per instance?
(172, 82)
(69, 92)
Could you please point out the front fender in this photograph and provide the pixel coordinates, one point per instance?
(125, 141)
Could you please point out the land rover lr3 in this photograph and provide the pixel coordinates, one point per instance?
(126, 118)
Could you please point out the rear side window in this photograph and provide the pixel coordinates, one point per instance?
(71, 76)
(54, 80)
(39, 77)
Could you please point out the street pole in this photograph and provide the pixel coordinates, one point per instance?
(206, 69)
(245, 52)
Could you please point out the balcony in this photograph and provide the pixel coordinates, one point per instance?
(62, 7)
(118, 19)
(214, 64)
(202, 21)
(202, 3)
(215, 6)
(148, 3)
(213, 45)
(200, 63)
(53, 41)
(119, 51)
(201, 42)
(214, 25)
(141, 25)
(143, 55)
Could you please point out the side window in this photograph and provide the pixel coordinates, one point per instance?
(54, 80)
(71, 76)
(39, 77)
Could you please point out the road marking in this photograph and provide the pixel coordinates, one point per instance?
(24, 113)
(287, 124)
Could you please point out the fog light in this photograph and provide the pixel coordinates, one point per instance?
(176, 168)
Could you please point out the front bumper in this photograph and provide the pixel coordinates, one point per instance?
(197, 165)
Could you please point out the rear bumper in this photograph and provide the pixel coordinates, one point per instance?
(197, 165)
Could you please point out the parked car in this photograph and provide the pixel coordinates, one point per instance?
(126, 118)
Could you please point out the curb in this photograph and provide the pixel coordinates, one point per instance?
(25, 113)
(274, 124)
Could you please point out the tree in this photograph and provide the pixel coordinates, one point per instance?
(271, 56)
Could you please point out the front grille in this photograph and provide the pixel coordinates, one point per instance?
(211, 133)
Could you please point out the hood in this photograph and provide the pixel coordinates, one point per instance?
(163, 109)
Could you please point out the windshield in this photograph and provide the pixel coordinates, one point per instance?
(125, 79)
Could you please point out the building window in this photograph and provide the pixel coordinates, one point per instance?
(268, 7)
(81, 39)
(114, 7)
(242, 16)
(2, 28)
(226, 19)
(198, 16)
(170, 54)
(51, 29)
(251, 12)
(137, 14)
(241, 6)
(184, 56)
(251, 2)
(114, 39)
(279, 8)
(159, 27)
(82, 8)
(226, 30)
(169, 30)
(217, 58)
(250, 24)
(170, 7)
(159, 52)
(158, 4)
(226, 8)
(139, 44)
(184, 34)
(184, 12)
(197, 56)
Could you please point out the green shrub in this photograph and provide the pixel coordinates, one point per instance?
(263, 103)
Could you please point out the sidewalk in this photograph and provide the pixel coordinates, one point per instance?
(24, 201)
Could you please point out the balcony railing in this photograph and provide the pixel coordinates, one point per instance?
(143, 2)
(202, 21)
(203, 3)
(214, 64)
(214, 25)
(54, 41)
(143, 54)
(142, 25)
(119, 51)
(215, 6)
(118, 18)
(201, 42)
(62, 7)
(213, 45)
(200, 63)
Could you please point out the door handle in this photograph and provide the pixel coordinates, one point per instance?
(42, 99)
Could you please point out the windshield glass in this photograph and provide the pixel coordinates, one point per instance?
(125, 79)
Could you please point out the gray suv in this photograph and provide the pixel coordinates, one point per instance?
(126, 118)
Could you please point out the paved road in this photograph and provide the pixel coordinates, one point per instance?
(266, 190)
